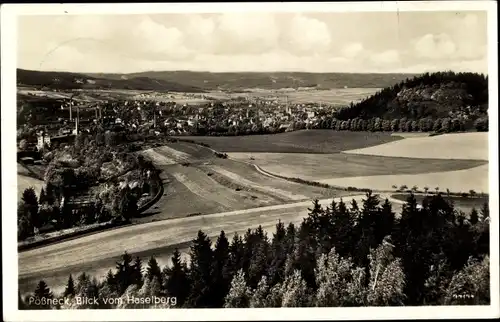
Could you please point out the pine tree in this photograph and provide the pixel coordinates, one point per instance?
(367, 226)
(239, 294)
(221, 271)
(248, 242)
(201, 271)
(294, 290)
(342, 222)
(124, 273)
(290, 238)
(332, 275)
(70, 287)
(153, 270)
(110, 281)
(81, 281)
(150, 287)
(42, 291)
(278, 254)
(49, 194)
(43, 198)
(176, 279)
(236, 254)
(87, 288)
(384, 222)
(474, 217)
(260, 294)
(313, 218)
(31, 205)
(305, 254)
(258, 262)
(25, 225)
(275, 296)
(485, 211)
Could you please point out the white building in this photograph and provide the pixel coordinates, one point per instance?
(43, 138)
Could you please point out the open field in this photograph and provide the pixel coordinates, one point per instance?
(471, 146)
(97, 253)
(457, 181)
(209, 184)
(460, 203)
(24, 182)
(304, 141)
(249, 173)
(315, 167)
(337, 96)
(214, 185)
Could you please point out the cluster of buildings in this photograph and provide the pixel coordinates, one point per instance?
(173, 119)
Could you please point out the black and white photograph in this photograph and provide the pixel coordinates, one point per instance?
(329, 155)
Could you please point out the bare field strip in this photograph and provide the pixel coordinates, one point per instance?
(177, 201)
(204, 186)
(456, 181)
(243, 181)
(177, 155)
(249, 172)
(157, 158)
(196, 152)
(316, 167)
(304, 141)
(97, 253)
(470, 146)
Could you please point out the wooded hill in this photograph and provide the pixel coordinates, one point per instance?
(189, 81)
(437, 95)
(240, 81)
(66, 80)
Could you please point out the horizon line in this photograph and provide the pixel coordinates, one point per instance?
(250, 72)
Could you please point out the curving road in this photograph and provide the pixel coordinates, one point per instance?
(97, 253)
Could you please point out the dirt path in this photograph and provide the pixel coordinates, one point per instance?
(254, 185)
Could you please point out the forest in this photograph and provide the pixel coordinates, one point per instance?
(341, 255)
(436, 95)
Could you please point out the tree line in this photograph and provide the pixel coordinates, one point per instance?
(428, 124)
(339, 255)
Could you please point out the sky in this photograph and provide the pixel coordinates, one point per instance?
(353, 42)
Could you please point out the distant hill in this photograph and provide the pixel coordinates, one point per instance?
(240, 81)
(67, 80)
(187, 81)
(436, 95)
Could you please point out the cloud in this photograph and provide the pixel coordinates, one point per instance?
(435, 46)
(387, 57)
(352, 50)
(306, 35)
(240, 33)
(254, 41)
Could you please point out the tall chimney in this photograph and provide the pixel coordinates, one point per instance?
(70, 110)
(77, 119)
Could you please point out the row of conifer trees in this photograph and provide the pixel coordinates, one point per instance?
(340, 255)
